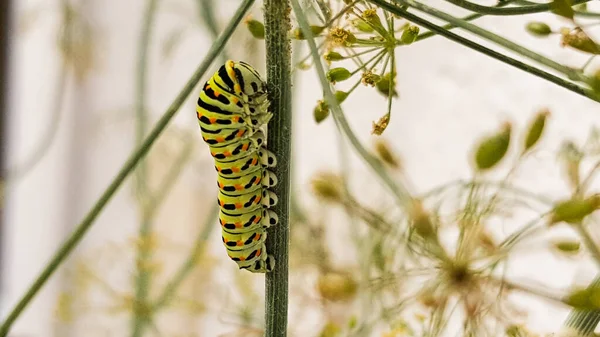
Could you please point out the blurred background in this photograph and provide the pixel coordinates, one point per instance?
(73, 115)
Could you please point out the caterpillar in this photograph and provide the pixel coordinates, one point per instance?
(233, 110)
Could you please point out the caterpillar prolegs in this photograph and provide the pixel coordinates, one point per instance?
(232, 112)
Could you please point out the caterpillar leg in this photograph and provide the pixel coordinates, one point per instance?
(261, 266)
(267, 158)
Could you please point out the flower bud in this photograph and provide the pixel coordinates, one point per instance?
(538, 28)
(579, 40)
(336, 286)
(409, 35)
(381, 125)
(298, 34)
(370, 16)
(342, 37)
(256, 28)
(321, 112)
(535, 129)
(370, 78)
(333, 56)
(338, 74)
(574, 210)
(328, 187)
(491, 150)
(386, 155)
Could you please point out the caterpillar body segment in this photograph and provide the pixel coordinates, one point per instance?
(232, 111)
(247, 183)
(247, 222)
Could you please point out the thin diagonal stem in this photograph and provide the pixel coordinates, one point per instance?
(518, 10)
(68, 246)
(489, 52)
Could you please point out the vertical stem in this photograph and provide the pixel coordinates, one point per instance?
(278, 49)
(582, 322)
(142, 279)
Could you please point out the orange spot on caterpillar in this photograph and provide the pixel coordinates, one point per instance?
(257, 201)
(237, 88)
(225, 240)
(245, 146)
(227, 154)
(199, 114)
(241, 132)
(254, 161)
(258, 252)
(233, 99)
(212, 120)
(257, 220)
(235, 169)
(238, 225)
(217, 93)
(235, 119)
(219, 139)
(239, 187)
(213, 154)
(257, 237)
(238, 205)
(239, 243)
(242, 258)
(222, 203)
(221, 185)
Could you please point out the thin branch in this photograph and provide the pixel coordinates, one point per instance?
(489, 52)
(68, 246)
(279, 78)
(493, 10)
(400, 192)
(144, 254)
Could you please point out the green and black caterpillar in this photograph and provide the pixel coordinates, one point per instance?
(233, 110)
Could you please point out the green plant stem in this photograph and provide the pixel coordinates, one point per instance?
(469, 17)
(188, 266)
(279, 78)
(571, 73)
(576, 12)
(400, 192)
(139, 153)
(583, 321)
(519, 10)
(206, 12)
(484, 50)
(144, 254)
(589, 241)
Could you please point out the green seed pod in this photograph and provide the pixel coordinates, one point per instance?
(585, 299)
(383, 151)
(491, 150)
(330, 329)
(341, 96)
(538, 28)
(338, 74)
(579, 40)
(595, 81)
(321, 112)
(327, 186)
(337, 286)
(574, 210)
(299, 35)
(421, 222)
(409, 35)
(333, 56)
(536, 129)
(362, 26)
(383, 85)
(256, 28)
(567, 246)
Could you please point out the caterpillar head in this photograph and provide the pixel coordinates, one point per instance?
(250, 82)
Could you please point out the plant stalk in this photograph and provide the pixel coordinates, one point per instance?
(279, 76)
(81, 229)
